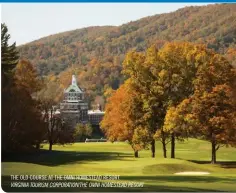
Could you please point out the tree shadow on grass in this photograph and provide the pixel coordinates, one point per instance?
(223, 164)
(55, 157)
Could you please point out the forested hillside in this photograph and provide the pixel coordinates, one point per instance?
(97, 52)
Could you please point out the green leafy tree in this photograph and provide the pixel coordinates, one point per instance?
(9, 55)
(83, 131)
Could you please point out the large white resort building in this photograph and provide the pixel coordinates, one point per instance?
(74, 107)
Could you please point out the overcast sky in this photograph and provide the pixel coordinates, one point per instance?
(28, 22)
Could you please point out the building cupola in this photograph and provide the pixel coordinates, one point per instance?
(74, 82)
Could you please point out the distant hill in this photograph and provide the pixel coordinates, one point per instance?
(214, 25)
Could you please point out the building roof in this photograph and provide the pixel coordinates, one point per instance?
(74, 87)
(69, 111)
(57, 111)
(95, 112)
(70, 101)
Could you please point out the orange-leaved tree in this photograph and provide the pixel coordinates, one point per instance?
(214, 117)
(121, 120)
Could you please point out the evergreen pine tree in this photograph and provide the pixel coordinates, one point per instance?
(9, 55)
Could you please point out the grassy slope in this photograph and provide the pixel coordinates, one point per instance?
(117, 159)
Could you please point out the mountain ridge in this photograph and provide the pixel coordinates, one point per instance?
(94, 26)
(98, 51)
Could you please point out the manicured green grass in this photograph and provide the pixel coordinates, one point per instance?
(117, 159)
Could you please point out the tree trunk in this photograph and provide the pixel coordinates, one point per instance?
(50, 145)
(213, 152)
(135, 153)
(172, 145)
(164, 149)
(153, 149)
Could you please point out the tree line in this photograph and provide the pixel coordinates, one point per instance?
(178, 91)
(171, 92)
(29, 116)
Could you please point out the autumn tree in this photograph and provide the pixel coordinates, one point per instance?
(59, 130)
(83, 131)
(49, 97)
(140, 78)
(22, 126)
(28, 83)
(163, 79)
(231, 56)
(185, 69)
(209, 113)
(179, 66)
(164, 138)
(214, 117)
(177, 121)
(214, 102)
(121, 120)
(108, 92)
(141, 139)
(26, 77)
